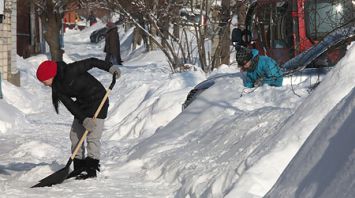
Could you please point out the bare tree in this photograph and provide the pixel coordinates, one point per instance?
(156, 17)
(200, 32)
(157, 28)
(225, 32)
(51, 14)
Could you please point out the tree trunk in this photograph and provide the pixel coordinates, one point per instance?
(163, 21)
(52, 38)
(225, 32)
(52, 22)
(176, 13)
(137, 37)
(152, 44)
(202, 36)
(215, 21)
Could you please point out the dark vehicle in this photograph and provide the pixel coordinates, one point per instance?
(197, 90)
(99, 35)
(190, 18)
(296, 66)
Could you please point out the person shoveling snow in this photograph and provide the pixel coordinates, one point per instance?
(89, 109)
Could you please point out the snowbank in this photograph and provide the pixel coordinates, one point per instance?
(221, 145)
(9, 116)
(325, 164)
(335, 86)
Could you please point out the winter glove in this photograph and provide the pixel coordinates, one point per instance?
(89, 123)
(246, 91)
(114, 69)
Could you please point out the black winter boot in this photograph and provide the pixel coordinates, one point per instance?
(92, 165)
(79, 167)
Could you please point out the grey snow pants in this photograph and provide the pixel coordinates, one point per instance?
(92, 140)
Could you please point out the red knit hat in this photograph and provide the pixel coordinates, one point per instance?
(46, 70)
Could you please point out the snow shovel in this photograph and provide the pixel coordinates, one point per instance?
(59, 176)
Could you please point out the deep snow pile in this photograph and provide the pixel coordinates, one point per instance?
(221, 145)
(239, 146)
(324, 166)
(336, 85)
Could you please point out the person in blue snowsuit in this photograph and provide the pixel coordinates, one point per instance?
(259, 69)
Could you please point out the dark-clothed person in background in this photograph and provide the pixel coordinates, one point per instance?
(92, 19)
(112, 45)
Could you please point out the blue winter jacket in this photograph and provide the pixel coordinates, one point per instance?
(266, 72)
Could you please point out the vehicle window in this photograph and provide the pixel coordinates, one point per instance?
(273, 23)
(323, 16)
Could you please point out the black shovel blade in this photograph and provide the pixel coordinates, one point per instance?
(55, 178)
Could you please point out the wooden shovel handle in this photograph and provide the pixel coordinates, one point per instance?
(95, 116)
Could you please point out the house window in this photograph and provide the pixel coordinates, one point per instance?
(1, 10)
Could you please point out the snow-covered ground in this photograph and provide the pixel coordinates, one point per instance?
(222, 145)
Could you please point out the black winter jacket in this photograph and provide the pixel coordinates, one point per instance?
(112, 44)
(72, 81)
